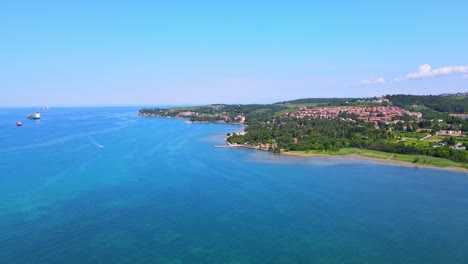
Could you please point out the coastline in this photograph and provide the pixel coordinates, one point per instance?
(377, 160)
(188, 121)
(387, 161)
(351, 156)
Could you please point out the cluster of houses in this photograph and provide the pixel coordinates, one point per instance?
(187, 114)
(367, 114)
(265, 146)
(458, 146)
(464, 116)
(238, 119)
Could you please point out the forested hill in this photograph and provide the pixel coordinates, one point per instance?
(235, 113)
(445, 104)
(323, 101)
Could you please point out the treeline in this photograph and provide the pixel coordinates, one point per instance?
(160, 111)
(310, 134)
(331, 135)
(322, 101)
(444, 104)
(253, 113)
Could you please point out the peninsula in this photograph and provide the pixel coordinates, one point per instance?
(422, 130)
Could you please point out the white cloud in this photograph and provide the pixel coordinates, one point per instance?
(426, 71)
(376, 81)
(465, 76)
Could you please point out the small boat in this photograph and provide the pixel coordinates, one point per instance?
(34, 116)
(19, 123)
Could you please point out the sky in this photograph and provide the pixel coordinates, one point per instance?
(90, 53)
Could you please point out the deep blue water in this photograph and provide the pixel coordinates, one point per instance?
(102, 185)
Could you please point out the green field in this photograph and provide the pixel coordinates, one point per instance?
(411, 134)
(418, 143)
(410, 158)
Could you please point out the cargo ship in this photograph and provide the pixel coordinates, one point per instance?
(34, 116)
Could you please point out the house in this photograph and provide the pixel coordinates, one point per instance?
(458, 146)
(464, 116)
(456, 133)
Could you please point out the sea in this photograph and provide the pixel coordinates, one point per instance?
(103, 185)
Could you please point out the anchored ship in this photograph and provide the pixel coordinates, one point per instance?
(34, 116)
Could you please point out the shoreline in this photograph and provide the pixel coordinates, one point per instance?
(378, 160)
(359, 157)
(187, 120)
(336, 156)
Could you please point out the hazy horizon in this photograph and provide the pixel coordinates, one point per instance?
(190, 104)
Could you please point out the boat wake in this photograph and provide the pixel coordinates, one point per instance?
(95, 143)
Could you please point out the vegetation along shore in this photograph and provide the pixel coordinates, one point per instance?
(418, 130)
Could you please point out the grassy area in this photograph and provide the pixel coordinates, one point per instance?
(418, 143)
(435, 138)
(410, 158)
(315, 152)
(412, 135)
(291, 108)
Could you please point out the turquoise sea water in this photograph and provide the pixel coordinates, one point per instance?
(102, 185)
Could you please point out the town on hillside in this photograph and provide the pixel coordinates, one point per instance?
(406, 124)
(387, 114)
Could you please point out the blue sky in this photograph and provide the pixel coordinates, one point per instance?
(189, 52)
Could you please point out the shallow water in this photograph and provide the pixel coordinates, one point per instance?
(102, 185)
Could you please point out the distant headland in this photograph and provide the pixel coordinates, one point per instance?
(426, 130)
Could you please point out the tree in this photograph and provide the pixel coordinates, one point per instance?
(449, 140)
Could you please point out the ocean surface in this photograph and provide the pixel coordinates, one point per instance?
(102, 185)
